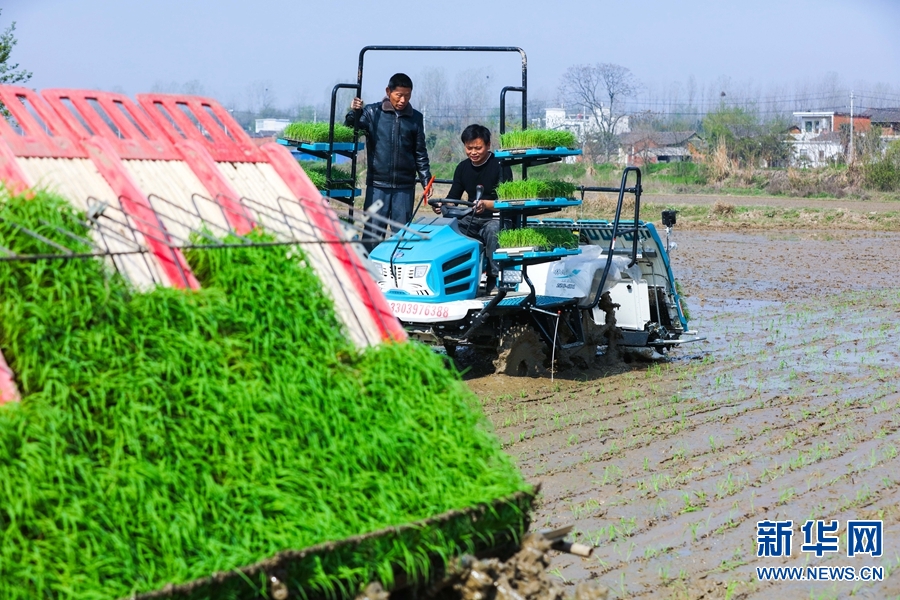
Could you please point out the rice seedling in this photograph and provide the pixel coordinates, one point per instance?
(534, 188)
(318, 174)
(167, 435)
(538, 138)
(543, 238)
(311, 133)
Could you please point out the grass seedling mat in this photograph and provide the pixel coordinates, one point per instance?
(535, 188)
(318, 174)
(542, 238)
(166, 435)
(538, 138)
(313, 133)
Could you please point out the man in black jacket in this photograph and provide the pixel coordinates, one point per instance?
(395, 151)
(483, 169)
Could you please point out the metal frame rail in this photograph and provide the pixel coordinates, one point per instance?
(359, 82)
(636, 189)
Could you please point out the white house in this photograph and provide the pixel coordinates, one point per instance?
(581, 123)
(271, 126)
(816, 138)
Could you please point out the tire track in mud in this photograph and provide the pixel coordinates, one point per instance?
(790, 412)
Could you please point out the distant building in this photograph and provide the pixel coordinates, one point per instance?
(270, 126)
(638, 148)
(886, 118)
(823, 121)
(817, 139)
(580, 123)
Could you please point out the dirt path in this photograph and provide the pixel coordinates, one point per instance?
(775, 201)
(789, 410)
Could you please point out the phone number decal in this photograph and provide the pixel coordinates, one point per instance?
(422, 310)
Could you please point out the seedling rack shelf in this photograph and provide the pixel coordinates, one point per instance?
(534, 156)
(530, 256)
(327, 151)
(324, 149)
(535, 206)
(342, 193)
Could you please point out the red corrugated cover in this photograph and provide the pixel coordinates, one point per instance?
(136, 136)
(135, 204)
(10, 173)
(50, 138)
(202, 120)
(354, 271)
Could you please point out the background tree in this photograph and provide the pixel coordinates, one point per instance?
(601, 90)
(748, 140)
(10, 72)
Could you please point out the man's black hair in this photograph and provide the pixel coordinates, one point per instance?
(476, 132)
(399, 80)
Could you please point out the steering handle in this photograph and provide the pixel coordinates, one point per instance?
(437, 201)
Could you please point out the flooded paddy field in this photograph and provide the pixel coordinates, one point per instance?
(789, 410)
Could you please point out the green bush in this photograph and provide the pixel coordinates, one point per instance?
(166, 435)
(882, 175)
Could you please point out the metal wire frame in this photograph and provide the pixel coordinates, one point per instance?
(203, 224)
(287, 229)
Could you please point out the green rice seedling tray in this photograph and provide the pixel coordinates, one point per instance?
(341, 183)
(536, 238)
(309, 132)
(289, 566)
(167, 434)
(538, 138)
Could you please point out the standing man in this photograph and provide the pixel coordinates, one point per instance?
(481, 168)
(395, 151)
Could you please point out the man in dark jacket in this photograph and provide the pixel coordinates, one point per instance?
(395, 151)
(481, 169)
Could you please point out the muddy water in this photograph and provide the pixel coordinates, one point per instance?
(789, 410)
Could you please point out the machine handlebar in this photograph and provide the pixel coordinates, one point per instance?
(438, 201)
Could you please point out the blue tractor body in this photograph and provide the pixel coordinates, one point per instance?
(441, 265)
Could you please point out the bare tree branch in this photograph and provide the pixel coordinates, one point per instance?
(601, 89)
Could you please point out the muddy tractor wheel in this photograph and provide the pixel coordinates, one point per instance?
(521, 353)
(594, 336)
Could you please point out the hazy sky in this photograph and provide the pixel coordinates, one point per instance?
(303, 48)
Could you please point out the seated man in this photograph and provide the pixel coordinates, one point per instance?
(481, 168)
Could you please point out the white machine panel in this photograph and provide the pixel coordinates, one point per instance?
(633, 298)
